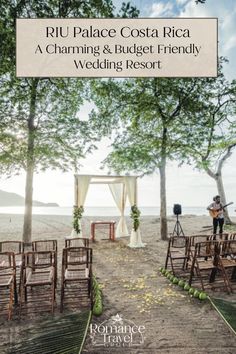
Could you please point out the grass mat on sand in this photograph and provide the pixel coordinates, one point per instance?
(63, 334)
(227, 310)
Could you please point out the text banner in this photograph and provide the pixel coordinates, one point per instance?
(143, 47)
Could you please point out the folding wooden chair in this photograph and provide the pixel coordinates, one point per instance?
(76, 242)
(38, 271)
(17, 247)
(204, 264)
(46, 245)
(76, 279)
(227, 262)
(7, 282)
(177, 253)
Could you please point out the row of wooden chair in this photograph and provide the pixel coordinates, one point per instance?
(38, 269)
(202, 257)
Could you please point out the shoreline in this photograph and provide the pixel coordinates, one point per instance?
(60, 226)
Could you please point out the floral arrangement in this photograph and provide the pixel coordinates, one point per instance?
(78, 213)
(135, 214)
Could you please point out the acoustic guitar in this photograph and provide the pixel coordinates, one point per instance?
(214, 213)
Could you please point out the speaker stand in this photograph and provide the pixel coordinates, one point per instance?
(178, 231)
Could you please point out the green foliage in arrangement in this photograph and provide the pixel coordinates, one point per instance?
(78, 213)
(187, 287)
(135, 215)
(181, 283)
(201, 295)
(97, 295)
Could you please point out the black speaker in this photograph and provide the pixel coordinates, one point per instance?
(177, 209)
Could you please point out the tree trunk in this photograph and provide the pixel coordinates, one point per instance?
(220, 189)
(163, 217)
(27, 227)
(221, 192)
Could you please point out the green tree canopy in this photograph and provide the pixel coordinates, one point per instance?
(40, 123)
(149, 116)
(156, 120)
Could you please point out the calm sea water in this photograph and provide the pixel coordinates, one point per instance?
(104, 211)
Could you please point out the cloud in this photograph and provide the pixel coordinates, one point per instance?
(225, 11)
(181, 2)
(230, 44)
(161, 9)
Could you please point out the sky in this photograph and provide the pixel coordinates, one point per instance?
(185, 185)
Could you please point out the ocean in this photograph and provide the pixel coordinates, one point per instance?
(107, 211)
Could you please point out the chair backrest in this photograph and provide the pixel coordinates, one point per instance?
(228, 248)
(232, 236)
(219, 237)
(7, 261)
(44, 245)
(198, 238)
(76, 242)
(75, 256)
(17, 247)
(39, 259)
(207, 249)
(178, 241)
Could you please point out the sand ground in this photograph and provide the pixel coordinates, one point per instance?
(134, 289)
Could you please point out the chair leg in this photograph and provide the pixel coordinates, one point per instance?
(191, 273)
(11, 295)
(226, 279)
(53, 295)
(166, 263)
(62, 296)
(233, 276)
(25, 291)
(15, 291)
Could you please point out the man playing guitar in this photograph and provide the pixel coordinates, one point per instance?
(216, 210)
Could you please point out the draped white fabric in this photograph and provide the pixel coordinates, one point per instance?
(131, 187)
(120, 187)
(81, 189)
(119, 194)
(83, 184)
(130, 183)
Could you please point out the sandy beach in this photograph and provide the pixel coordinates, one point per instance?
(133, 288)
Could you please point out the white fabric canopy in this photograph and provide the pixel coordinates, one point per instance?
(119, 194)
(120, 187)
(82, 189)
(131, 186)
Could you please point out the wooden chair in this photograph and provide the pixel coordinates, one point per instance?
(39, 270)
(204, 264)
(227, 261)
(76, 242)
(76, 279)
(17, 247)
(177, 253)
(7, 282)
(46, 245)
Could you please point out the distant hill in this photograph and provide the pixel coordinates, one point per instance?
(13, 199)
